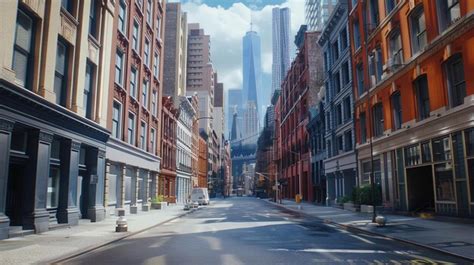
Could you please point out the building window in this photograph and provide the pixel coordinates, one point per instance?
(145, 93)
(345, 73)
(147, 53)
(338, 114)
(356, 29)
(412, 155)
(454, 69)
(158, 27)
(335, 51)
(136, 36)
(469, 138)
(133, 82)
(360, 78)
(418, 30)
(340, 144)
(390, 5)
(156, 65)
(363, 128)
(60, 74)
(396, 110)
(143, 133)
(422, 97)
(154, 102)
(343, 39)
(375, 66)
(23, 49)
(149, 12)
(122, 17)
(116, 120)
(347, 108)
(373, 14)
(153, 140)
(448, 12)
(119, 67)
(377, 112)
(336, 83)
(131, 129)
(89, 89)
(68, 5)
(93, 18)
(425, 152)
(348, 141)
(396, 49)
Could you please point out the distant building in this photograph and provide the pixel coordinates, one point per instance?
(168, 174)
(233, 105)
(317, 13)
(200, 74)
(280, 46)
(175, 54)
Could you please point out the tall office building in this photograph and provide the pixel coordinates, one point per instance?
(252, 83)
(280, 45)
(175, 58)
(317, 12)
(200, 74)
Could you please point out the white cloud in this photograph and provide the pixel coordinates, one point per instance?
(228, 26)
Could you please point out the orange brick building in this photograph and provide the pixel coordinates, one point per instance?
(412, 66)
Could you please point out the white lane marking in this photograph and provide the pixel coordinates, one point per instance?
(305, 228)
(363, 239)
(322, 250)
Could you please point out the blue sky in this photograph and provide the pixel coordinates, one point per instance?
(227, 22)
(254, 4)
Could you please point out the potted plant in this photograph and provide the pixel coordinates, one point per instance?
(158, 202)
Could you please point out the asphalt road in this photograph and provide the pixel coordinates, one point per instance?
(250, 231)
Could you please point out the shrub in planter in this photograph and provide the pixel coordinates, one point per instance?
(157, 202)
(364, 195)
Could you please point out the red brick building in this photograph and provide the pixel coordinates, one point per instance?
(167, 182)
(299, 90)
(414, 89)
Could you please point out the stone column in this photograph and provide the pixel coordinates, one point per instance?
(67, 207)
(39, 149)
(121, 202)
(146, 192)
(96, 211)
(6, 128)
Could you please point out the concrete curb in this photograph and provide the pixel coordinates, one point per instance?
(353, 228)
(78, 253)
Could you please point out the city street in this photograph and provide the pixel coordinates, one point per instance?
(241, 230)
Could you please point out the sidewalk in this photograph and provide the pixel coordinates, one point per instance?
(60, 243)
(448, 237)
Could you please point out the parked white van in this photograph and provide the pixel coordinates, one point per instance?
(200, 195)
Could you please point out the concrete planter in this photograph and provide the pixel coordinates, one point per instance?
(159, 205)
(145, 207)
(133, 209)
(350, 206)
(366, 208)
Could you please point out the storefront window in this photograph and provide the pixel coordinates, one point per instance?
(53, 188)
(412, 155)
(128, 189)
(140, 189)
(365, 172)
(442, 149)
(470, 165)
(426, 152)
(444, 182)
(469, 136)
(112, 189)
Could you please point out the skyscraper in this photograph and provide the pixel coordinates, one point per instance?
(317, 13)
(233, 105)
(280, 45)
(252, 83)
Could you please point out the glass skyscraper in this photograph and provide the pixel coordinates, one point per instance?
(280, 45)
(317, 13)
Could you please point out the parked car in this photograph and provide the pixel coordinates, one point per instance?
(200, 195)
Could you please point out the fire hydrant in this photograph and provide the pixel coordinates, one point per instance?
(122, 225)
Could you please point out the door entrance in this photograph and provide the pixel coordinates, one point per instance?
(420, 189)
(82, 194)
(15, 194)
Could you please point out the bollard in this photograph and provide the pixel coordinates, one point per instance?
(122, 225)
(380, 220)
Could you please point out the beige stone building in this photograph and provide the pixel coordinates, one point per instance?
(54, 84)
